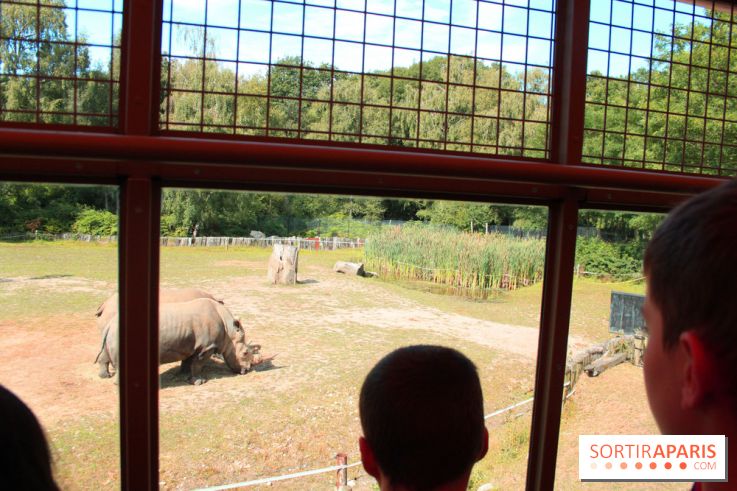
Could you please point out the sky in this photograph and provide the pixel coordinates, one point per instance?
(502, 36)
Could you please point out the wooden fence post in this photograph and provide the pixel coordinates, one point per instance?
(341, 477)
(639, 349)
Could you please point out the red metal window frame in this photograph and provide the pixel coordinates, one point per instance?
(141, 161)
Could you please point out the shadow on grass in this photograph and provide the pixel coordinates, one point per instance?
(213, 369)
(267, 366)
(49, 276)
(308, 281)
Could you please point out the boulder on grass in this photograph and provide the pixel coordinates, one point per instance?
(283, 265)
(349, 268)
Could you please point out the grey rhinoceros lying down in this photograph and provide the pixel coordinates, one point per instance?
(109, 308)
(192, 332)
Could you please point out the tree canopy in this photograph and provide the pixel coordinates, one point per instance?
(679, 110)
(47, 75)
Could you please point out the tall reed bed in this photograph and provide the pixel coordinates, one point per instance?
(474, 262)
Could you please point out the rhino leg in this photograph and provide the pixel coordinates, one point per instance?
(108, 354)
(186, 366)
(197, 362)
(102, 362)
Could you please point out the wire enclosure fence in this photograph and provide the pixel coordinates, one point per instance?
(60, 61)
(460, 75)
(456, 75)
(660, 89)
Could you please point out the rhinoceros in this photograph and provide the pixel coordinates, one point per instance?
(109, 308)
(191, 332)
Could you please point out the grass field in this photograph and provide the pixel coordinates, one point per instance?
(328, 331)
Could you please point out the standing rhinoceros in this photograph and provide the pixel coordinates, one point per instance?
(109, 308)
(189, 331)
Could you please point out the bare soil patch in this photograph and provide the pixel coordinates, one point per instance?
(235, 263)
(55, 283)
(48, 362)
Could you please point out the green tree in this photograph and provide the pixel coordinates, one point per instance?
(95, 222)
(37, 56)
(464, 216)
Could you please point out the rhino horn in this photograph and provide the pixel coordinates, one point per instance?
(264, 359)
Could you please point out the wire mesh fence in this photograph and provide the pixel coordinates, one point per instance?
(60, 61)
(660, 91)
(454, 75)
(458, 75)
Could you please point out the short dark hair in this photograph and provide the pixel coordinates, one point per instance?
(25, 462)
(691, 264)
(422, 414)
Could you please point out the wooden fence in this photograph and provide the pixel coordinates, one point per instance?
(308, 243)
(597, 358)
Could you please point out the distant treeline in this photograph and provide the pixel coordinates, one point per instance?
(53, 208)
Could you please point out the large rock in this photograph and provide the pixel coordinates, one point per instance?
(283, 265)
(349, 268)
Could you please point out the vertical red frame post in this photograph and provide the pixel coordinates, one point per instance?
(140, 216)
(139, 334)
(552, 343)
(569, 89)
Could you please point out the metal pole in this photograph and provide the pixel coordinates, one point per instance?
(138, 250)
(569, 88)
(552, 344)
(341, 477)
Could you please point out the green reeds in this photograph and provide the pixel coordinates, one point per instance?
(475, 263)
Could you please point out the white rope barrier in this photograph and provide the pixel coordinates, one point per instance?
(508, 408)
(268, 480)
(522, 403)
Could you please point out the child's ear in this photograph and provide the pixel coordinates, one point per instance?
(368, 459)
(699, 374)
(484, 445)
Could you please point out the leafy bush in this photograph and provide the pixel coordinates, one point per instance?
(170, 228)
(96, 222)
(617, 260)
(341, 227)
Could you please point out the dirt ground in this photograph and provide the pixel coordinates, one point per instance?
(53, 370)
(48, 360)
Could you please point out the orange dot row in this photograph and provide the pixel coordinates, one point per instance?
(638, 465)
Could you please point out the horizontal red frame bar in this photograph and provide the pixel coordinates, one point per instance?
(162, 151)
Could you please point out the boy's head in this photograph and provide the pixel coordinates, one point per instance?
(422, 415)
(25, 461)
(691, 309)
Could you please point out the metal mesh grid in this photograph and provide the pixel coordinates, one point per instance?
(459, 75)
(661, 90)
(60, 61)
